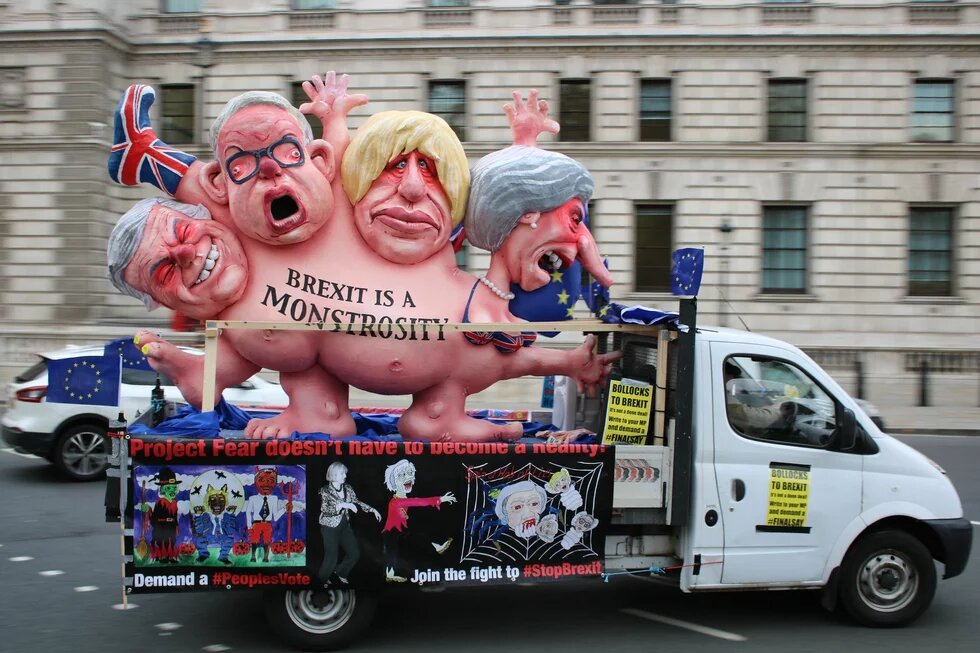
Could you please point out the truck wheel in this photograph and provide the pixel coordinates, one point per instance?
(82, 452)
(887, 579)
(321, 620)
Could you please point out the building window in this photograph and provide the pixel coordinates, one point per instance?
(447, 99)
(930, 251)
(177, 113)
(299, 97)
(574, 104)
(182, 6)
(314, 4)
(787, 110)
(784, 249)
(448, 3)
(654, 244)
(932, 111)
(655, 109)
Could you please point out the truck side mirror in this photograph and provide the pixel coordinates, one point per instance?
(848, 430)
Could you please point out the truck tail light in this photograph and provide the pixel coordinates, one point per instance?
(32, 395)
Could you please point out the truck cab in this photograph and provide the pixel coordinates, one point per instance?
(786, 483)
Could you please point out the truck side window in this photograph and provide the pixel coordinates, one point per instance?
(773, 400)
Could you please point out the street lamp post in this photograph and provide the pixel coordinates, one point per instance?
(725, 228)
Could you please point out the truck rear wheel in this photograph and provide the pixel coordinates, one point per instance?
(887, 579)
(320, 620)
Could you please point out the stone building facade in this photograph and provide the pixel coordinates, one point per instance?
(825, 154)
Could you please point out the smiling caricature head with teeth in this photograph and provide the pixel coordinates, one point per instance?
(269, 170)
(172, 254)
(407, 176)
(527, 206)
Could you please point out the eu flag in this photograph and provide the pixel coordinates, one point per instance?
(553, 302)
(685, 275)
(126, 349)
(84, 380)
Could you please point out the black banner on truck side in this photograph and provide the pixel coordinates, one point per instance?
(292, 514)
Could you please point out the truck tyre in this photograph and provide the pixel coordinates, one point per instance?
(82, 452)
(320, 620)
(887, 579)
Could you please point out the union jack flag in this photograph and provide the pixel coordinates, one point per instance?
(137, 155)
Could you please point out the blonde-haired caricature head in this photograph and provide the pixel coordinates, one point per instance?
(559, 481)
(388, 134)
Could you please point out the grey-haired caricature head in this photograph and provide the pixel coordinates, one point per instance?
(400, 477)
(167, 253)
(516, 180)
(520, 505)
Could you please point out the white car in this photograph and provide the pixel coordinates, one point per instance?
(73, 436)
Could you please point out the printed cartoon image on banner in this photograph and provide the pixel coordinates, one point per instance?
(384, 513)
(219, 515)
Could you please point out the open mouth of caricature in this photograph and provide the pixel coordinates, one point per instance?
(209, 264)
(554, 259)
(408, 486)
(284, 212)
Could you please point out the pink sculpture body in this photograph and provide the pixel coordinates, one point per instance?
(365, 253)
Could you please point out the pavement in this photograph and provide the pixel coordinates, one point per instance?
(931, 420)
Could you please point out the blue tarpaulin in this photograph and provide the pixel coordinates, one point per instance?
(227, 419)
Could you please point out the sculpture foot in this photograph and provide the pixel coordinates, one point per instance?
(185, 369)
(415, 425)
(293, 420)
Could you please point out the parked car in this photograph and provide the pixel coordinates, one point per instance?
(73, 436)
(872, 412)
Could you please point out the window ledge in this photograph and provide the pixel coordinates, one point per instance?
(785, 298)
(650, 296)
(929, 299)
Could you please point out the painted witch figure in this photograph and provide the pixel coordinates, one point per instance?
(338, 502)
(163, 518)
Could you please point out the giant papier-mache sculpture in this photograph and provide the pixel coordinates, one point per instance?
(354, 235)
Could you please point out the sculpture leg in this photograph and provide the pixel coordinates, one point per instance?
(439, 414)
(317, 404)
(137, 156)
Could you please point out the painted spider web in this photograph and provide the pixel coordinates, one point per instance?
(487, 540)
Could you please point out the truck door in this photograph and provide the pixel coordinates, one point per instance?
(786, 495)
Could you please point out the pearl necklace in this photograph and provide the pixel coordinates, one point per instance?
(506, 296)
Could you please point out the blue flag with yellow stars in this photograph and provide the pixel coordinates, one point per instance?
(552, 302)
(685, 275)
(90, 380)
(597, 296)
(126, 349)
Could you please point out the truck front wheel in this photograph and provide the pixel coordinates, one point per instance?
(321, 620)
(887, 579)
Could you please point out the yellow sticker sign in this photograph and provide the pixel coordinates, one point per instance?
(789, 495)
(628, 412)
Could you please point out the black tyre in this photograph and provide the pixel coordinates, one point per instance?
(322, 620)
(82, 452)
(887, 579)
